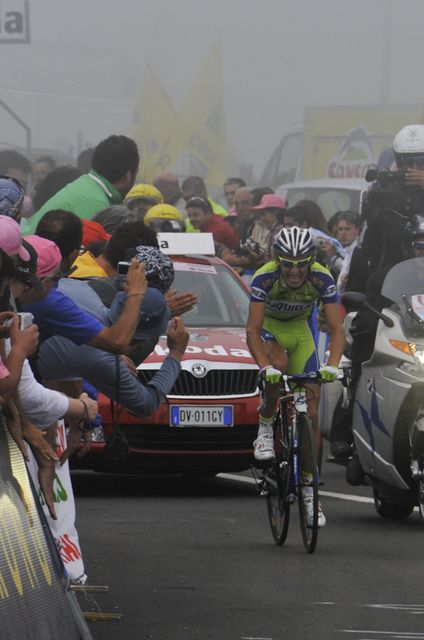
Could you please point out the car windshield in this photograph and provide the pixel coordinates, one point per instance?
(404, 285)
(222, 300)
(329, 199)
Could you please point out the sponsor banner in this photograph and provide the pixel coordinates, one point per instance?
(14, 21)
(33, 599)
(341, 142)
(63, 529)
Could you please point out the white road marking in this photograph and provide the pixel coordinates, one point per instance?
(412, 609)
(328, 494)
(393, 634)
(346, 496)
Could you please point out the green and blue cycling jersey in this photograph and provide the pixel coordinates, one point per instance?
(288, 312)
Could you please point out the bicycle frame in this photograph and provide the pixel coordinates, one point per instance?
(283, 480)
(292, 403)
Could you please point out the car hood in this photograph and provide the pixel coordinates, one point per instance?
(208, 344)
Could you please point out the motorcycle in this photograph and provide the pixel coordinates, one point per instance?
(388, 416)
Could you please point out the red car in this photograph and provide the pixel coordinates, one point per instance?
(209, 420)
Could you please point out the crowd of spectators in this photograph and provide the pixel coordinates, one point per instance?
(63, 231)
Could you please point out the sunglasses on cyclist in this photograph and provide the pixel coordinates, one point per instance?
(289, 264)
(418, 245)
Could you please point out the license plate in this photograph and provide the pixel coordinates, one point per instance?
(201, 416)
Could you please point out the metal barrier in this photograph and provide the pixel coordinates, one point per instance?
(35, 599)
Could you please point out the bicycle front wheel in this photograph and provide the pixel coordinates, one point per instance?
(308, 480)
(278, 480)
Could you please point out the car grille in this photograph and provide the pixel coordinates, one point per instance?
(173, 439)
(219, 382)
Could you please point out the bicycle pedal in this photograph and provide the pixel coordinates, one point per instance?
(291, 498)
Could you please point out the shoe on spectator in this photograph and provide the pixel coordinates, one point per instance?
(263, 448)
(308, 501)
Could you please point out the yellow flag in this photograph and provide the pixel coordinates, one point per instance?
(201, 130)
(153, 126)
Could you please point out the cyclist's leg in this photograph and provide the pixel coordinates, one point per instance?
(264, 442)
(279, 360)
(304, 359)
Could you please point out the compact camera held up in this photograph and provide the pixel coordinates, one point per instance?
(123, 269)
(25, 319)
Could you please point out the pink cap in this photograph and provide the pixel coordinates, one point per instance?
(49, 256)
(11, 239)
(271, 201)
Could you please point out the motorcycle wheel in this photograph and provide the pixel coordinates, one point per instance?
(421, 499)
(390, 510)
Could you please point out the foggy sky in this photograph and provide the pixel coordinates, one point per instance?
(278, 56)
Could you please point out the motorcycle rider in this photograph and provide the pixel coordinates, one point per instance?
(377, 253)
(364, 330)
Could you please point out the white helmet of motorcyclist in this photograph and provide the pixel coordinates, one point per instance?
(408, 146)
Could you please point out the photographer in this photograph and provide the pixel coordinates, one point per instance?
(395, 196)
(391, 207)
(249, 255)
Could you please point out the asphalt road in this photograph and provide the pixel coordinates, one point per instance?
(193, 559)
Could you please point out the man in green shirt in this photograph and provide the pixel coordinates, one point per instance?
(113, 171)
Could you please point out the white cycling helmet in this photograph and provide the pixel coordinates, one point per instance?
(293, 242)
(408, 144)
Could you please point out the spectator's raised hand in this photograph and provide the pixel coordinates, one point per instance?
(4, 325)
(136, 281)
(180, 303)
(26, 339)
(177, 337)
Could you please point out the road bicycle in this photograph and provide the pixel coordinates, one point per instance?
(283, 481)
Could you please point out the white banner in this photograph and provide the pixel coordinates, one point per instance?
(63, 528)
(14, 21)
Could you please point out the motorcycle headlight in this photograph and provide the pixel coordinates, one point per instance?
(416, 351)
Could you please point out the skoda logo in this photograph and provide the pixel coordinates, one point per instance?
(199, 370)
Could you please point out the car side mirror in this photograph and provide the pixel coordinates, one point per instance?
(354, 300)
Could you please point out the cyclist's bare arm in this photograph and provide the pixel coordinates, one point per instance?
(255, 323)
(335, 329)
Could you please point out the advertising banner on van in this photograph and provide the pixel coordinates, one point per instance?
(14, 21)
(341, 142)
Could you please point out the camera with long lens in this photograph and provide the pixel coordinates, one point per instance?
(250, 246)
(386, 178)
(389, 192)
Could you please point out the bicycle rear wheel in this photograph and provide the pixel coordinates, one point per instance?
(277, 477)
(308, 480)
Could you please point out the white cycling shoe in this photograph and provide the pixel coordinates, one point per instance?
(308, 501)
(263, 448)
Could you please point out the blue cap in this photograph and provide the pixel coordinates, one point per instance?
(154, 313)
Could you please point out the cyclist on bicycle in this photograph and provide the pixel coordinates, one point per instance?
(284, 293)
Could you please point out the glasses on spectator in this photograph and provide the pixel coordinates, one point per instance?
(289, 264)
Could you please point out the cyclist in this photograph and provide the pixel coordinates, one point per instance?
(284, 293)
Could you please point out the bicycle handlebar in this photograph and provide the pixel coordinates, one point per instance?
(314, 376)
